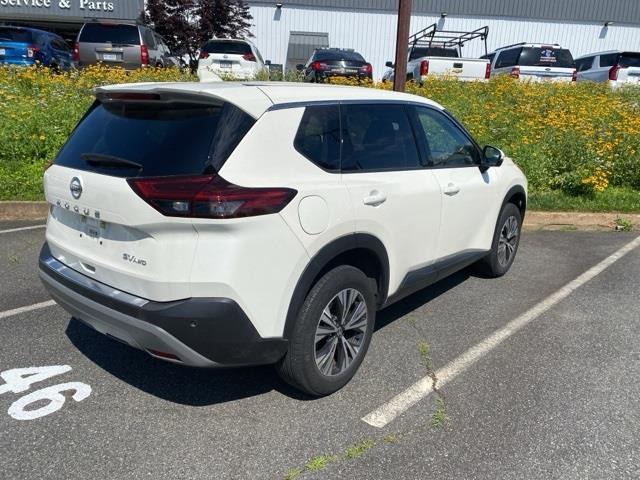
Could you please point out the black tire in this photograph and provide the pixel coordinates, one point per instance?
(495, 264)
(299, 366)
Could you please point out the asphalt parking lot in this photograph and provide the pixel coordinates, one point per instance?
(558, 398)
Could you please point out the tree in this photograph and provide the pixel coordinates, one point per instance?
(187, 24)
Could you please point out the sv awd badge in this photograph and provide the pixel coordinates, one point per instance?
(134, 259)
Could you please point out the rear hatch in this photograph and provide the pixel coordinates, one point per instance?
(546, 64)
(629, 68)
(117, 45)
(340, 63)
(98, 224)
(16, 45)
(228, 57)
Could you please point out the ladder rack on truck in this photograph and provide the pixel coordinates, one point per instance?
(447, 38)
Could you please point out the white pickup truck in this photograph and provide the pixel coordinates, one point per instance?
(434, 52)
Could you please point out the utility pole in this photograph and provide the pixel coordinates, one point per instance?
(402, 39)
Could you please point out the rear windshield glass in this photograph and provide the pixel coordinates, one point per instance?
(173, 139)
(105, 33)
(546, 57)
(433, 52)
(15, 35)
(232, 48)
(629, 59)
(338, 55)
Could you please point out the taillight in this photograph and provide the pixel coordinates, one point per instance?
(32, 51)
(515, 72)
(487, 71)
(574, 76)
(424, 67)
(366, 69)
(249, 57)
(209, 196)
(203, 54)
(144, 55)
(318, 66)
(613, 72)
(76, 52)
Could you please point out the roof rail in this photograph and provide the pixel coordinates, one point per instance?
(528, 43)
(447, 38)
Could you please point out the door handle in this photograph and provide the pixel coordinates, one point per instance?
(374, 198)
(451, 189)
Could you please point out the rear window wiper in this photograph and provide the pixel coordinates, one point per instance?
(112, 161)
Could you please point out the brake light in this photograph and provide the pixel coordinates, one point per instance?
(366, 69)
(76, 52)
(574, 76)
(203, 54)
(249, 57)
(487, 71)
(424, 67)
(319, 66)
(209, 196)
(144, 55)
(613, 72)
(515, 72)
(32, 51)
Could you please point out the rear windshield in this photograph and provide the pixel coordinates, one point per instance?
(167, 139)
(15, 35)
(546, 57)
(433, 52)
(231, 48)
(338, 55)
(106, 33)
(629, 59)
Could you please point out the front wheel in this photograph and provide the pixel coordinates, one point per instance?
(505, 243)
(332, 333)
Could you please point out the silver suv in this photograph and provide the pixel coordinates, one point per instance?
(125, 45)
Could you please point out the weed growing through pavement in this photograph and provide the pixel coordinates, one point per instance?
(320, 462)
(358, 449)
(292, 473)
(623, 224)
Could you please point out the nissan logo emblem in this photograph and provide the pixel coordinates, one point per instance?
(76, 188)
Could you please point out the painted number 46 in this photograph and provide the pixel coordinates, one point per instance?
(19, 380)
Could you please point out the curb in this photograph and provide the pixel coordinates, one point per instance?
(533, 220)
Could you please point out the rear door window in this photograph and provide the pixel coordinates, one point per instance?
(376, 138)
(508, 58)
(164, 139)
(110, 33)
(15, 35)
(584, 64)
(609, 60)
(230, 48)
(318, 136)
(546, 57)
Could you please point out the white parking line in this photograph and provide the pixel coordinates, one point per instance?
(28, 308)
(22, 229)
(419, 390)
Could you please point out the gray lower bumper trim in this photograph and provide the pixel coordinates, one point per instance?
(137, 333)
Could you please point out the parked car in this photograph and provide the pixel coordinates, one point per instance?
(534, 62)
(116, 44)
(434, 52)
(28, 46)
(614, 66)
(325, 63)
(235, 58)
(293, 215)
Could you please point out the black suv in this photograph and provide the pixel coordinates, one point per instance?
(335, 62)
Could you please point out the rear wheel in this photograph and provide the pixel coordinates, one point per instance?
(332, 334)
(505, 243)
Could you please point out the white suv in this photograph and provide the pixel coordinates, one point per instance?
(534, 62)
(293, 213)
(614, 67)
(237, 59)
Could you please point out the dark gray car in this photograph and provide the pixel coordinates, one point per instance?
(125, 45)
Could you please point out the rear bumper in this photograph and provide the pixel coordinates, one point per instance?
(200, 332)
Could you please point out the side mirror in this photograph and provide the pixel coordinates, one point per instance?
(389, 64)
(267, 62)
(491, 157)
(299, 67)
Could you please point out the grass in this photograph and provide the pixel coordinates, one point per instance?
(320, 462)
(292, 473)
(624, 224)
(613, 199)
(439, 417)
(358, 449)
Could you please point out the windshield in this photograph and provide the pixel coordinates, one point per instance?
(338, 55)
(15, 35)
(546, 57)
(163, 139)
(106, 33)
(230, 48)
(420, 52)
(629, 59)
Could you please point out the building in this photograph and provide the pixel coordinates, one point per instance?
(65, 17)
(286, 32)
